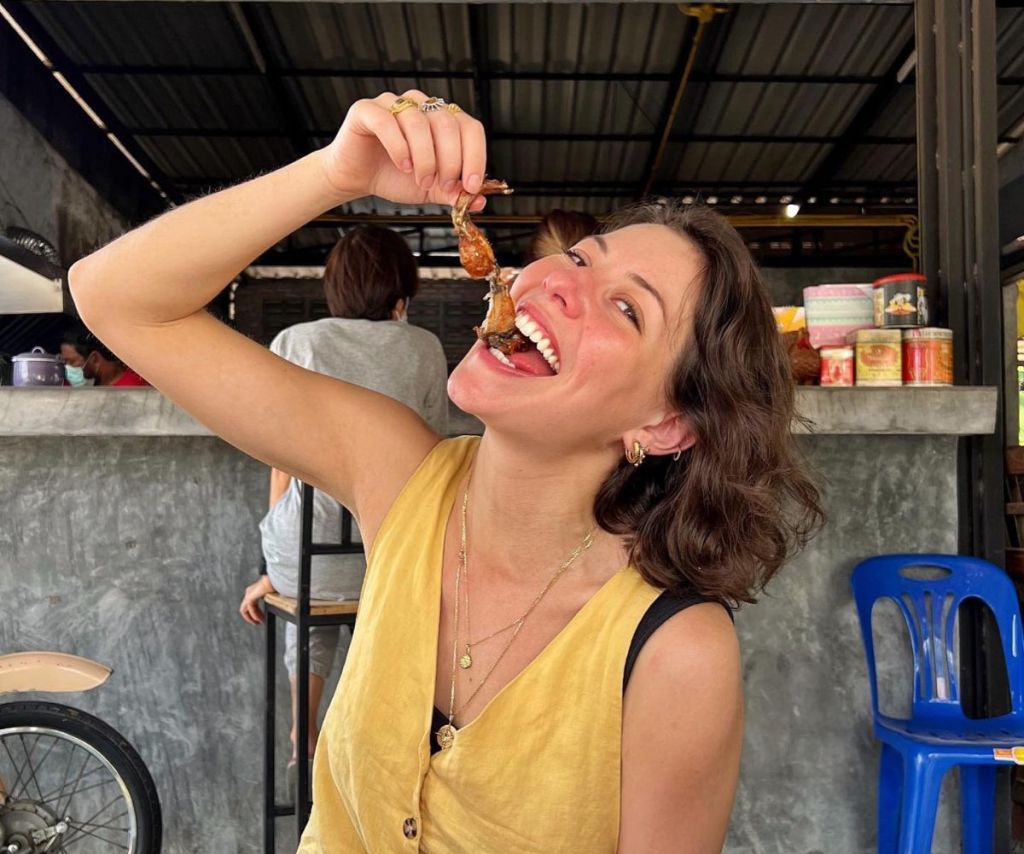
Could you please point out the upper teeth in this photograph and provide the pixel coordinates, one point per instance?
(532, 331)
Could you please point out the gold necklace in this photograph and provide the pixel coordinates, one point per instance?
(466, 661)
(446, 734)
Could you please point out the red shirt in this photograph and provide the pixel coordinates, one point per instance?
(129, 378)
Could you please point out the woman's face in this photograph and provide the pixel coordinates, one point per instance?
(616, 310)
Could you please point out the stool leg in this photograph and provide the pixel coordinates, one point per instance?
(302, 804)
(977, 808)
(269, 734)
(890, 792)
(922, 780)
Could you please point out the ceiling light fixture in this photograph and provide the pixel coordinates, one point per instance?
(712, 200)
(792, 209)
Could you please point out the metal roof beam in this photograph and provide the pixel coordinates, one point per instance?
(765, 139)
(478, 50)
(487, 74)
(252, 32)
(866, 116)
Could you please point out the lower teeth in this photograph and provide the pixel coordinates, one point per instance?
(501, 357)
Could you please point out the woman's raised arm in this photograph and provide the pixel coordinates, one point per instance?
(144, 297)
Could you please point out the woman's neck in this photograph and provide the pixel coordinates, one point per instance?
(529, 508)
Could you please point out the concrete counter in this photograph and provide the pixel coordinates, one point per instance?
(951, 411)
(129, 535)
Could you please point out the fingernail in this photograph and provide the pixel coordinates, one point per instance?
(427, 182)
(473, 184)
(448, 186)
(407, 165)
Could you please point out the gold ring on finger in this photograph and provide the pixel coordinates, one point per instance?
(453, 108)
(432, 105)
(401, 104)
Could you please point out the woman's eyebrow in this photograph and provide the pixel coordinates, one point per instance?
(647, 286)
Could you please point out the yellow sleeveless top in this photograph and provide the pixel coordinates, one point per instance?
(538, 770)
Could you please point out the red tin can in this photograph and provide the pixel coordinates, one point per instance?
(836, 366)
(928, 356)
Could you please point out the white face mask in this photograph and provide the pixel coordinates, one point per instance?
(76, 377)
(403, 317)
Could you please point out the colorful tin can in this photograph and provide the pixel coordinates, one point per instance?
(901, 301)
(837, 366)
(928, 356)
(879, 357)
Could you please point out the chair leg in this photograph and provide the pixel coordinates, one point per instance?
(269, 734)
(890, 791)
(301, 793)
(922, 780)
(977, 808)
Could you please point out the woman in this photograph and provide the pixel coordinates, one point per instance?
(369, 280)
(556, 544)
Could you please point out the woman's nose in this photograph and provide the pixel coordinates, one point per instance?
(562, 286)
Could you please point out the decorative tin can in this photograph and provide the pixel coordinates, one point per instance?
(879, 357)
(901, 301)
(928, 356)
(837, 366)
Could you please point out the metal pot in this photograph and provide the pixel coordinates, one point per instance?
(38, 368)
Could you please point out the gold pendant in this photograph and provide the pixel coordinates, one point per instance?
(446, 736)
(467, 660)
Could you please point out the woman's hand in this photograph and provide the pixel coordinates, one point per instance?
(254, 593)
(411, 157)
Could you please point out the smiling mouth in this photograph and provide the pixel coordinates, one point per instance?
(536, 354)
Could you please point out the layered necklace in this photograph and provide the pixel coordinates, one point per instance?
(446, 734)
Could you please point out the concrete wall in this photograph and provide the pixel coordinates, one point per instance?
(41, 192)
(135, 551)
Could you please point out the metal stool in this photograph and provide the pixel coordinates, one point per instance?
(304, 613)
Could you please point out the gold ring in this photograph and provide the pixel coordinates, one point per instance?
(453, 108)
(432, 105)
(401, 104)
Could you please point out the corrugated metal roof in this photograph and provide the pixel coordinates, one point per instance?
(574, 95)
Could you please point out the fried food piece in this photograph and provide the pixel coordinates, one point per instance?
(477, 256)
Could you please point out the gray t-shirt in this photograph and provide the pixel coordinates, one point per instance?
(404, 362)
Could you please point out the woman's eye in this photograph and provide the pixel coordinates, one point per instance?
(627, 309)
(576, 258)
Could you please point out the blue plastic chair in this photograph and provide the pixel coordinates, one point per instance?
(917, 752)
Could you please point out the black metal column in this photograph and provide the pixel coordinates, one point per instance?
(958, 197)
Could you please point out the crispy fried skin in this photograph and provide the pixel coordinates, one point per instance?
(477, 256)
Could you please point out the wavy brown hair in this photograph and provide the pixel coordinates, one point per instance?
(723, 518)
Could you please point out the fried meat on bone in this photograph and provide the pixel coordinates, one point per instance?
(477, 257)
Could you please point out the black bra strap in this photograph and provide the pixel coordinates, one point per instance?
(665, 606)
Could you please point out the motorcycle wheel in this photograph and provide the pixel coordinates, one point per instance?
(72, 784)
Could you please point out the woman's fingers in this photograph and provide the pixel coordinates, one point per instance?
(447, 149)
(440, 147)
(382, 124)
(474, 152)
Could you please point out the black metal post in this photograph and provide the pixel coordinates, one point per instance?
(269, 732)
(302, 801)
(958, 210)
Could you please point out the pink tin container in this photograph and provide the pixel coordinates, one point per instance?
(834, 311)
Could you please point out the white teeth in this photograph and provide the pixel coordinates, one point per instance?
(501, 357)
(532, 331)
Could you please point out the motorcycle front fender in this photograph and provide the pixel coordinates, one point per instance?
(50, 672)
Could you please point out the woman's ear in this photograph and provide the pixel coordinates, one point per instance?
(673, 433)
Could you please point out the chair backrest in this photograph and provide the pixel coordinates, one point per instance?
(929, 589)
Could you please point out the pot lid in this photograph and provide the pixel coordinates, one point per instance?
(37, 354)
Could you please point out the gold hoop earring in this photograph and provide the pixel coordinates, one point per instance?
(637, 455)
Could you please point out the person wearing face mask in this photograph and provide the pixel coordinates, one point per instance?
(369, 279)
(87, 362)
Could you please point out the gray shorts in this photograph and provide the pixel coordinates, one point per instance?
(323, 640)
